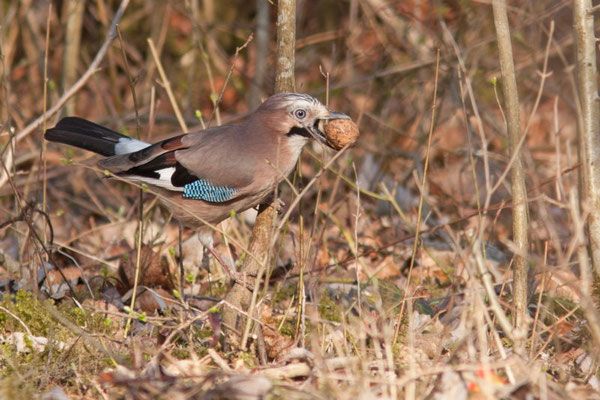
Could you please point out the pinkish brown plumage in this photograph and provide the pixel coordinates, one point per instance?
(205, 175)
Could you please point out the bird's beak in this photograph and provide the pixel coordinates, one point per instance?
(336, 115)
(317, 129)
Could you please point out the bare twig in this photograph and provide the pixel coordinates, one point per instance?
(589, 136)
(167, 85)
(589, 142)
(217, 101)
(92, 69)
(424, 177)
(519, 191)
(74, 10)
(262, 52)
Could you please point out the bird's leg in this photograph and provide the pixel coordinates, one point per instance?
(276, 202)
(236, 276)
(206, 238)
(205, 263)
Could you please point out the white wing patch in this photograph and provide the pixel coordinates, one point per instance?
(166, 173)
(164, 180)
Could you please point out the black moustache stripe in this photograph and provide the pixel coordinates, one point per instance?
(299, 131)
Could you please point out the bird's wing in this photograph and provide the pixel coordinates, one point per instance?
(200, 165)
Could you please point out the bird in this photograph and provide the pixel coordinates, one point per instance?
(205, 176)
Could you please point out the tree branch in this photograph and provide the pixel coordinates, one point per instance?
(519, 191)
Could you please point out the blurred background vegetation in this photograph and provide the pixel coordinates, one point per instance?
(376, 61)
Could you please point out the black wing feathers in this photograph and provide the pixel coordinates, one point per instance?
(149, 169)
(180, 177)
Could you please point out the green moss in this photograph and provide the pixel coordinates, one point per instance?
(65, 351)
(288, 328)
(96, 323)
(29, 310)
(180, 353)
(284, 292)
(402, 332)
(248, 359)
(329, 309)
(204, 333)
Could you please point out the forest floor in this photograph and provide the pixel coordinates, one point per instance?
(390, 278)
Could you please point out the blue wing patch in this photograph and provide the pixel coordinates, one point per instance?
(204, 190)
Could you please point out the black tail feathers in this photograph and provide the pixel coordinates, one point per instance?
(86, 135)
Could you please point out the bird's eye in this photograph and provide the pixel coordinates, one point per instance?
(300, 113)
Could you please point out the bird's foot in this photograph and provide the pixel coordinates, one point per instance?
(276, 202)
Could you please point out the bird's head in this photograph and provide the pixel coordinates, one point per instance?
(297, 117)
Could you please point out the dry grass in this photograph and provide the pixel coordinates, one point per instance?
(367, 297)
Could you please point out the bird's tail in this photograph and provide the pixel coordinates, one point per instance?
(87, 135)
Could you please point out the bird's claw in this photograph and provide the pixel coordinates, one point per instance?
(276, 203)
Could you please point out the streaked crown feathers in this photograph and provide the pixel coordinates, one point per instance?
(286, 100)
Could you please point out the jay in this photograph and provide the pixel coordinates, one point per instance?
(205, 175)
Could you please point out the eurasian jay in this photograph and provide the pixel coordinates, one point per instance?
(207, 174)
